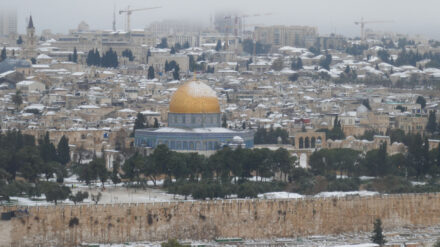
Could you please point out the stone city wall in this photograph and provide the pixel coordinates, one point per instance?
(252, 219)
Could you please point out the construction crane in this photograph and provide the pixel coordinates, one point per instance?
(129, 11)
(362, 24)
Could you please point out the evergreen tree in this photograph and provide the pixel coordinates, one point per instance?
(148, 55)
(3, 54)
(176, 72)
(218, 47)
(366, 103)
(55, 192)
(33, 60)
(79, 197)
(224, 121)
(156, 123)
(431, 126)
(109, 59)
(97, 58)
(75, 55)
(151, 73)
(384, 56)
(167, 66)
(326, 61)
(163, 43)
(48, 151)
(63, 150)
(192, 63)
(89, 59)
(421, 101)
(293, 77)
(128, 54)
(93, 58)
(19, 40)
(297, 64)
(186, 45)
(115, 170)
(173, 50)
(17, 99)
(172, 243)
(139, 123)
(378, 237)
(278, 64)
(177, 47)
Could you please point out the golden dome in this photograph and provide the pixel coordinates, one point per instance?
(194, 97)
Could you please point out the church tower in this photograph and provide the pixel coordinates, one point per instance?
(30, 45)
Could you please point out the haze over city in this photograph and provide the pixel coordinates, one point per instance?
(409, 17)
(205, 123)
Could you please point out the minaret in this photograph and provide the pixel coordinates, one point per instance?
(30, 39)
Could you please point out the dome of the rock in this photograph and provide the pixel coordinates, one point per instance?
(194, 97)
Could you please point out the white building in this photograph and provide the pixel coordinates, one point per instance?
(30, 86)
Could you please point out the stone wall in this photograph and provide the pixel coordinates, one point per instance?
(256, 219)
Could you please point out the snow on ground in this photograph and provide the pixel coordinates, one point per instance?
(358, 245)
(425, 236)
(347, 193)
(414, 183)
(280, 195)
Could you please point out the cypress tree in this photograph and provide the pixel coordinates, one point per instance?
(378, 237)
(96, 58)
(90, 57)
(167, 66)
(176, 72)
(75, 55)
(224, 122)
(151, 73)
(148, 55)
(218, 47)
(63, 150)
(3, 54)
(431, 126)
(139, 123)
(19, 40)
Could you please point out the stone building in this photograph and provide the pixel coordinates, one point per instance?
(194, 124)
(279, 36)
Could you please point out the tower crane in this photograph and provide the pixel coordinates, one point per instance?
(362, 24)
(129, 11)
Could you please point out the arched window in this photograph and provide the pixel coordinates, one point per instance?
(307, 142)
(191, 145)
(301, 143)
(313, 142)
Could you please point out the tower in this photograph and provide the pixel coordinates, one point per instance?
(30, 46)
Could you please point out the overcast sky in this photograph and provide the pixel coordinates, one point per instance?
(330, 16)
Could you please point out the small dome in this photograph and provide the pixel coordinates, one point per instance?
(194, 97)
